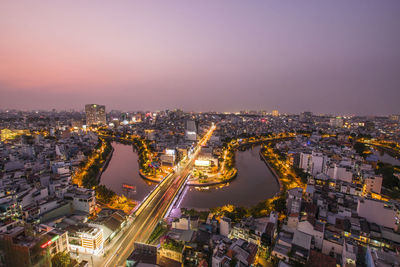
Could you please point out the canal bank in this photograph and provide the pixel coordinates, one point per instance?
(231, 177)
(105, 165)
(151, 179)
(281, 188)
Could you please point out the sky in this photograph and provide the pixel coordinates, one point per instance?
(338, 57)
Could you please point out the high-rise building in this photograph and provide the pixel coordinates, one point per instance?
(191, 126)
(373, 184)
(394, 117)
(275, 113)
(95, 114)
(191, 130)
(336, 122)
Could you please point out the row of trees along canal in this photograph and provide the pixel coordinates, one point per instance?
(143, 149)
(90, 170)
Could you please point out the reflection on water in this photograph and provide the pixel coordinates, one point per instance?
(253, 184)
(124, 168)
(386, 158)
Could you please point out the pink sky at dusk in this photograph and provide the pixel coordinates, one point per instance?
(201, 55)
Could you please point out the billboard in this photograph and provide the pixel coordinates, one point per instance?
(170, 151)
(202, 163)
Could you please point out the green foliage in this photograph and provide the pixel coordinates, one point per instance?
(282, 156)
(301, 173)
(298, 264)
(158, 231)
(139, 144)
(90, 179)
(260, 209)
(367, 136)
(104, 194)
(393, 145)
(237, 214)
(61, 259)
(82, 163)
(173, 245)
(279, 204)
(360, 148)
(233, 262)
(389, 180)
(192, 212)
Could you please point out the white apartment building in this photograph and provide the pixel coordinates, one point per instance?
(82, 199)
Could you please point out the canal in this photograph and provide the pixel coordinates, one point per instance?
(386, 158)
(254, 181)
(124, 169)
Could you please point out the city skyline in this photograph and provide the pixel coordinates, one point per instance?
(199, 133)
(339, 58)
(262, 112)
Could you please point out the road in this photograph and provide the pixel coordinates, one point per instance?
(152, 211)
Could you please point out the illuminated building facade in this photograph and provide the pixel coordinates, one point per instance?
(7, 134)
(95, 114)
(394, 117)
(57, 240)
(336, 122)
(191, 130)
(86, 239)
(373, 184)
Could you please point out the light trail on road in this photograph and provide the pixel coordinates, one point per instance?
(152, 210)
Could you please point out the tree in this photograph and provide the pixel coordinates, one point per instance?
(279, 204)
(104, 194)
(301, 173)
(82, 163)
(237, 214)
(260, 209)
(61, 259)
(359, 148)
(387, 171)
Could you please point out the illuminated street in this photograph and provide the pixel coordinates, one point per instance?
(152, 210)
(199, 133)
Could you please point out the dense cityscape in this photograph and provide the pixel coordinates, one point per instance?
(335, 187)
(207, 133)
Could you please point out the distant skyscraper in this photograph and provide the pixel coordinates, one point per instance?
(394, 117)
(336, 122)
(95, 114)
(275, 113)
(191, 126)
(191, 130)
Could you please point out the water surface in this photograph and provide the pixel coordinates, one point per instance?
(386, 158)
(124, 168)
(254, 183)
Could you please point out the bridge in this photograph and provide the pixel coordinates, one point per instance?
(152, 210)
